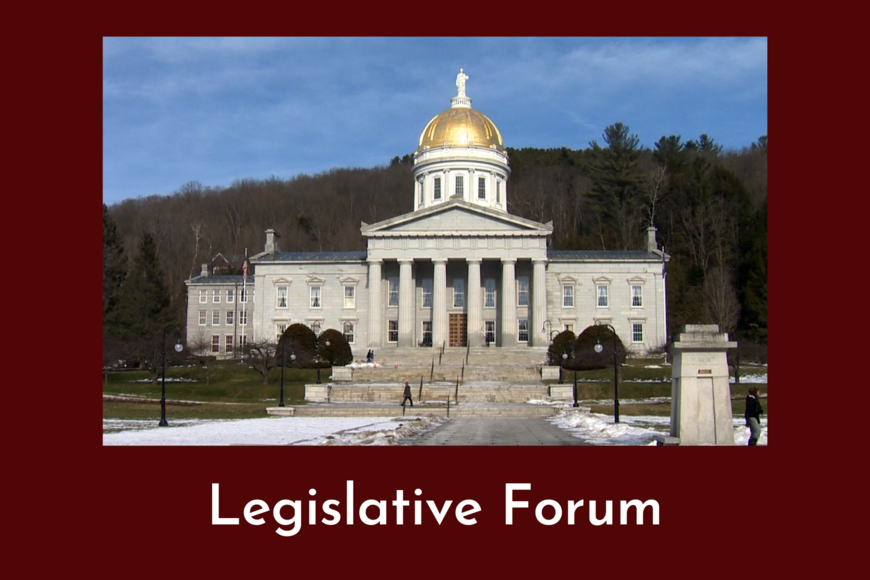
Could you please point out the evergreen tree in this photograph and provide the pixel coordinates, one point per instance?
(114, 268)
(616, 187)
(144, 306)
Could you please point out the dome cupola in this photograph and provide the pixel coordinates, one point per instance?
(460, 153)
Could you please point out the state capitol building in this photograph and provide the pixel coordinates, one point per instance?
(457, 271)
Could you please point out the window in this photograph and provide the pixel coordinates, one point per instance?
(215, 343)
(215, 317)
(427, 333)
(522, 290)
(203, 296)
(393, 292)
(481, 188)
(243, 317)
(427, 293)
(350, 296)
(348, 332)
(216, 296)
(243, 340)
(637, 295)
(314, 297)
(498, 192)
(243, 295)
(231, 296)
(567, 296)
(569, 327)
(202, 317)
(523, 334)
(279, 330)
(602, 296)
(315, 327)
(637, 332)
(460, 186)
(489, 334)
(281, 297)
(458, 293)
(393, 331)
(489, 293)
(228, 343)
(437, 193)
(229, 317)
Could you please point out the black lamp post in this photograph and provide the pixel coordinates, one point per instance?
(283, 361)
(599, 348)
(565, 358)
(320, 357)
(178, 348)
(561, 366)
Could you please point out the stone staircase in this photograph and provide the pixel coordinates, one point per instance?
(455, 381)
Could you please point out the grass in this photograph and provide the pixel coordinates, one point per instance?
(224, 390)
(228, 390)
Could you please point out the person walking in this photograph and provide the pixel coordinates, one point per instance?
(752, 415)
(407, 394)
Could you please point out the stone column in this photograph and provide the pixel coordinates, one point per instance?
(508, 302)
(701, 391)
(475, 320)
(376, 314)
(539, 303)
(406, 303)
(439, 302)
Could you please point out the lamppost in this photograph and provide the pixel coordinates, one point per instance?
(178, 348)
(599, 348)
(319, 357)
(565, 358)
(283, 360)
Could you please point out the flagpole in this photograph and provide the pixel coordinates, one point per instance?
(244, 306)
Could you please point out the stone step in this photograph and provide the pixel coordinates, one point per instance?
(507, 393)
(519, 374)
(468, 410)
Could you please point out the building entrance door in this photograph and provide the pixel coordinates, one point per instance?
(458, 329)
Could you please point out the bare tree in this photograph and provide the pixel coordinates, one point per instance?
(655, 185)
(262, 357)
(721, 304)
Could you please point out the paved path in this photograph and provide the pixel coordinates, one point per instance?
(496, 431)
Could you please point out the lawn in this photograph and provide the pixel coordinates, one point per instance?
(228, 390)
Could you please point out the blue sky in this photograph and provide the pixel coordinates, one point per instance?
(214, 110)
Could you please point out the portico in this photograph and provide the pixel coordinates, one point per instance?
(457, 274)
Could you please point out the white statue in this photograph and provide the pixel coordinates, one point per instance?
(460, 83)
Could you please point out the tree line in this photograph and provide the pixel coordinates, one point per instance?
(709, 206)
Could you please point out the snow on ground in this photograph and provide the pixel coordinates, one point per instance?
(601, 430)
(593, 428)
(269, 431)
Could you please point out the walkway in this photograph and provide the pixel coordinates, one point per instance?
(495, 431)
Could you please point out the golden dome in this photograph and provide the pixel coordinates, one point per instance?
(460, 127)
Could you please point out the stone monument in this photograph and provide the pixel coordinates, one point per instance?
(701, 391)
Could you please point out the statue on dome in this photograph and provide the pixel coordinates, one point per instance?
(460, 83)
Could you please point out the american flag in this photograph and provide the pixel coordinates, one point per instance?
(245, 271)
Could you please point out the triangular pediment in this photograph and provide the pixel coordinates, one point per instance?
(457, 217)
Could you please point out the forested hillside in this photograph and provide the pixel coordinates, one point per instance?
(709, 206)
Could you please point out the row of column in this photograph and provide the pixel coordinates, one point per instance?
(407, 304)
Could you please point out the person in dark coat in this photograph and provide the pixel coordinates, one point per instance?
(407, 394)
(753, 415)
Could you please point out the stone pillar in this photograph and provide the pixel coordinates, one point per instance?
(701, 392)
(439, 302)
(474, 303)
(508, 302)
(406, 303)
(539, 303)
(376, 314)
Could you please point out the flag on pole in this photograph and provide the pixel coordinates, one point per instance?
(244, 271)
